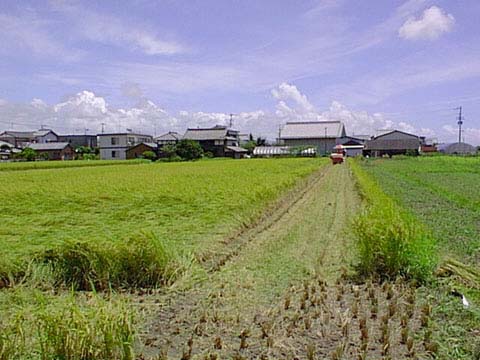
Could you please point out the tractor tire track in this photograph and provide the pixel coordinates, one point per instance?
(277, 212)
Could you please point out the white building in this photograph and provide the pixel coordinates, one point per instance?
(114, 146)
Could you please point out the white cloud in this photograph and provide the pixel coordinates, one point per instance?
(86, 110)
(131, 90)
(469, 135)
(433, 23)
(357, 122)
(112, 30)
(29, 34)
(286, 92)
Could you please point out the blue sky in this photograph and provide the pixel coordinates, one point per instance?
(164, 65)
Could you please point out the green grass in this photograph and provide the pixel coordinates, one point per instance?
(444, 194)
(390, 241)
(17, 166)
(190, 206)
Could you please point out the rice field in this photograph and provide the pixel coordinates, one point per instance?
(444, 194)
(257, 258)
(189, 205)
(16, 166)
(124, 227)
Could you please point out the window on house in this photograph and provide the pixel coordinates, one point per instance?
(114, 140)
(114, 153)
(131, 140)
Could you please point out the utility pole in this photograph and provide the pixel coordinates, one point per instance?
(231, 121)
(103, 127)
(325, 148)
(459, 123)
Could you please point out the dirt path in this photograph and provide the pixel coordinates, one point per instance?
(305, 240)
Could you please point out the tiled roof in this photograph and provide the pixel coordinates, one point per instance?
(237, 149)
(215, 133)
(26, 134)
(6, 144)
(49, 146)
(22, 134)
(312, 130)
(170, 136)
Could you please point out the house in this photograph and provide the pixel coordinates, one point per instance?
(136, 152)
(352, 145)
(114, 146)
(394, 142)
(218, 140)
(7, 151)
(54, 150)
(21, 139)
(457, 149)
(321, 134)
(169, 138)
(79, 140)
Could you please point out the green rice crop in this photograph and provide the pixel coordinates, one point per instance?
(72, 327)
(16, 166)
(86, 219)
(140, 261)
(391, 242)
(444, 194)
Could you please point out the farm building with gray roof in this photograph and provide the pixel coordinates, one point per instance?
(322, 135)
(395, 142)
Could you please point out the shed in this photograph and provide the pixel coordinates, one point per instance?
(136, 152)
(235, 152)
(395, 142)
(54, 150)
(353, 146)
(322, 135)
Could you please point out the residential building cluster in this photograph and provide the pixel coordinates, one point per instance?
(312, 138)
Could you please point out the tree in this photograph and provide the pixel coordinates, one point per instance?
(189, 149)
(168, 150)
(250, 146)
(261, 141)
(150, 155)
(28, 154)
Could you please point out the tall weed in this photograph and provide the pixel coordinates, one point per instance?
(391, 242)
